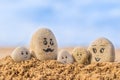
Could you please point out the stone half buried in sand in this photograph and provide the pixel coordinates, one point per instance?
(102, 50)
(44, 45)
(81, 55)
(20, 54)
(65, 57)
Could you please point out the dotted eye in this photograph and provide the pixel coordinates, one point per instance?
(80, 54)
(62, 57)
(51, 42)
(26, 53)
(45, 42)
(102, 50)
(66, 57)
(94, 50)
(22, 53)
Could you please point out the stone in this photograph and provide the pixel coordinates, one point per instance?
(81, 55)
(43, 45)
(20, 54)
(102, 50)
(65, 57)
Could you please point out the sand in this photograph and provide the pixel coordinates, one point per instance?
(35, 69)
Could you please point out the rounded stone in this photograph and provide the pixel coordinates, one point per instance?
(81, 55)
(65, 57)
(20, 54)
(43, 44)
(102, 50)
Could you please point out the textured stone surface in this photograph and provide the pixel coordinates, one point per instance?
(102, 50)
(65, 57)
(44, 45)
(20, 54)
(81, 55)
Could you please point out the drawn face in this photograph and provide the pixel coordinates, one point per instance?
(20, 54)
(65, 57)
(102, 50)
(80, 55)
(98, 52)
(48, 43)
(44, 44)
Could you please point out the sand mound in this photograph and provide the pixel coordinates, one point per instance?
(52, 70)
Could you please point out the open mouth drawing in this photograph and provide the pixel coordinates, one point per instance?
(48, 50)
(97, 59)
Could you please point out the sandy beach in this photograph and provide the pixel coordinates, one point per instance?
(52, 70)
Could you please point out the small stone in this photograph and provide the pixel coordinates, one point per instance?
(20, 54)
(81, 55)
(64, 57)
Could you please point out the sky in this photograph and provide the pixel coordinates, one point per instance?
(74, 22)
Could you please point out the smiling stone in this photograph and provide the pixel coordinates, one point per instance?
(20, 54)
(81, 55)
(44, 45)
(102, 50)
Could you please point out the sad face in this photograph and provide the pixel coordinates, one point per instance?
(80, 55)
(44, 45)
(20, 54)
(102, 50)
(65, 57)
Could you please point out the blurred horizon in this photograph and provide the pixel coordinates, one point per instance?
(74, 22)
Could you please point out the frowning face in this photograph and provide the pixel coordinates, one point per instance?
(102, 50)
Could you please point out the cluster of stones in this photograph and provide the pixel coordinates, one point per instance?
(43, 46)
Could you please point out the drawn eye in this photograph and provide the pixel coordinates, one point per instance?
(51, 42)
(45, 42)
(102, 50)
(66, 57)
(62, 57)
(80, 54)
(77, 54)
(94, 50)
(26, 53)
(22, 53)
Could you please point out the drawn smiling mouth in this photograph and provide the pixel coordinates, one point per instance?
(64, 61)
(79, 58)
(48, 50)
(97, 59)
(25, 57)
